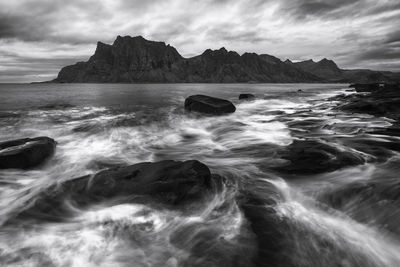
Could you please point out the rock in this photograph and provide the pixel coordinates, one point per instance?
(371, 201)
(379, 150)
(246, 96)
(299, 91)
(26, 153)
(365, 87)
(57, 105)
(209, 105)
(168, 182)
(312, 157)
(89, 127)
(258, 203)
(384, 101)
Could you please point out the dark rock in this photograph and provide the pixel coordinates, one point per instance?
(365, 87)
(378, 149)
(60, 105)
(373, 201)
(299, 90)
(209, 105)
(90, 127)
(169, 182)
(312, 157)
(393, 130)
(384, 101)
(26, 153)
(270, 228)
(371, 191)
(246, 96)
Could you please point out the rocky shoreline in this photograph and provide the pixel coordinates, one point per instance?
(180, 183)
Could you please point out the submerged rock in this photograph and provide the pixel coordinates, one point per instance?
(26, 153)
(258, 203)
(209, 105)
(372, 201)
(246, 96)
(312, 157)
(170, 182)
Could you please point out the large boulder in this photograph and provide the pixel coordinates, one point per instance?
(209, 105)
(312, 157)
(168, 182)
(26, 153)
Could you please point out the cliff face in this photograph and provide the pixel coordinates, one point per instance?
(135, 59)
(126, 60)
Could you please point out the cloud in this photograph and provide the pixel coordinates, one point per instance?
(37, 37)
(393, 37)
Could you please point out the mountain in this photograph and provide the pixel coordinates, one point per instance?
(328, 70)
(135, 59)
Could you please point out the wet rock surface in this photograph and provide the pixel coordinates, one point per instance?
(378, 197)
(382, 100)
(26, 153)
(365, 87)
(209, 105)
(269, 228)
(312, 157)
(170, 182)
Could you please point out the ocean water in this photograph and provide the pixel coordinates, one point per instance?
(98, 126)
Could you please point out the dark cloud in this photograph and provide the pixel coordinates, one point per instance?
(308, 9)
(381, 53)
(393, 37)
(50, 20)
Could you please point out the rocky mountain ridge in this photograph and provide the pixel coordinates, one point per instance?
(137, 60)
(328, 71)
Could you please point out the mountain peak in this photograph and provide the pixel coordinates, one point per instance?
(328, 63)
(127, 38)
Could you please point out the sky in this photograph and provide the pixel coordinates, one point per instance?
(39, 37)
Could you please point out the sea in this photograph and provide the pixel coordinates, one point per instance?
(98, 126)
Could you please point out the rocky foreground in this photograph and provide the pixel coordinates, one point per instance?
(376, 99)
(137, 60)
(180, 184)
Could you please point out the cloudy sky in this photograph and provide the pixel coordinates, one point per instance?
(38, 37)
